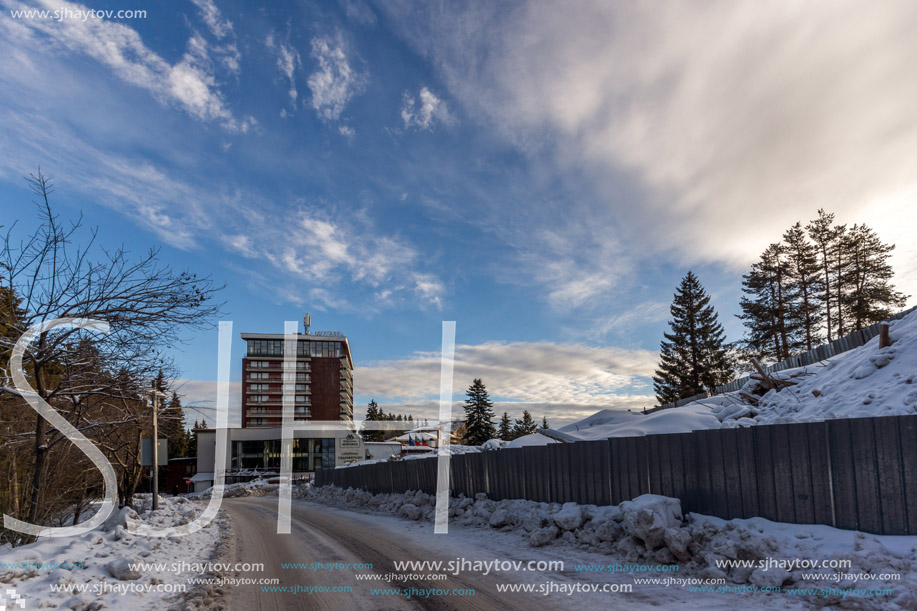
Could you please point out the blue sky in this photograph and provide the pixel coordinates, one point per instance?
(544, 177)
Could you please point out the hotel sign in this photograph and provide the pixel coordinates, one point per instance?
(348, 449)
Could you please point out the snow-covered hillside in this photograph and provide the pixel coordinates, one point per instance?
(863, 382)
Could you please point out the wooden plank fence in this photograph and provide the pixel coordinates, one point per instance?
(858, 474)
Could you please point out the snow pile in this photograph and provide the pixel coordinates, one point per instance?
(100, 562)
(535, 439)
(256, 487)
(609, 423)
(652, 530)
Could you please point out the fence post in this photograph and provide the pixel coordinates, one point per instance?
(883, 335)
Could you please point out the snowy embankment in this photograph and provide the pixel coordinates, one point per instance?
(652, 530)
(93, 571)
(257, 487)
(864, 382)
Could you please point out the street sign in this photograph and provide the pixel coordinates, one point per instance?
(146, 452)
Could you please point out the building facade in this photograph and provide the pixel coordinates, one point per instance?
(258, 450)
(320, 380)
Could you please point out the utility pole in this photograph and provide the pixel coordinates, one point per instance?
(155, 394)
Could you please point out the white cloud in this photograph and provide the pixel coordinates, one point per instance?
(635, 317)
(727, 122)
(335, 82)
(199, 398)
(430, 111)
(219, 26)
(189, 84)
(288, 62)
(321, 248)
(545, 372)
(359, 11)
(227, 52)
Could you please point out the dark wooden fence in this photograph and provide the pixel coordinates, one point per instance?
(855, 474)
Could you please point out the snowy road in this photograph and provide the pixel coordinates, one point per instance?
(330, 535)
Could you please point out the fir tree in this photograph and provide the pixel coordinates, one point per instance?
(373, 414)
(544, 422)
(174, 429)
(524, 425)
(479, 414)
(192, 439)
(693, 356)
(505, 430)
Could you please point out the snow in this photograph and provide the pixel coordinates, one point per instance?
(652, 530)
(100, 560)
(603, 418)
(679, 420)
(535, 439)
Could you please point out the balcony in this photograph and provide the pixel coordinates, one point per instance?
(275, 413)
(278, 366)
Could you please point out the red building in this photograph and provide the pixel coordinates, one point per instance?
(320, 380)
(179, 474)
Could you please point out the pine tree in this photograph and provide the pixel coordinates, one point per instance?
(803, 268)
(544, 422)
(525, 425)
(693, 356)
(774, 329)
(824, 235)
(840, 263)
(505, 430)
(479, 414)
(872, 296)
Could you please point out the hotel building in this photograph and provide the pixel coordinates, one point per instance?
(320, 379)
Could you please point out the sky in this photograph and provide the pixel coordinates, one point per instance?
(541, 173)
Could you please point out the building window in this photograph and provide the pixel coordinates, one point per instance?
(261, 387)
(260, 398)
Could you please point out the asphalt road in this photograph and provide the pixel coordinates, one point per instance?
(328, 535)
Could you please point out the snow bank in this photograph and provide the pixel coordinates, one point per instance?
(100, 562)
(256, 487)
(651, 530)
(535, 439)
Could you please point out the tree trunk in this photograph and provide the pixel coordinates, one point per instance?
(827, 269)
(38, 476)
(14, 484)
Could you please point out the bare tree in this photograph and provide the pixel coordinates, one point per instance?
(93, 380)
